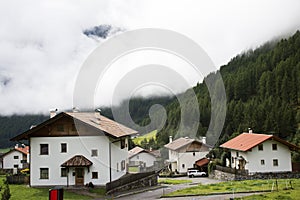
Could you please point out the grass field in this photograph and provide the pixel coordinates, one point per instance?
(4, 150)
(173, 181)
(24, 192)
(148, 136)
(284, 188)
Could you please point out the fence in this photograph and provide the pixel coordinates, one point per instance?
(17, 179)
(231, 170)
(132, 181)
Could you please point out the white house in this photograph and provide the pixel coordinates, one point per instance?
(16, 158)
(260, 153)
(184, 152)
(75, 148)
(141, 157)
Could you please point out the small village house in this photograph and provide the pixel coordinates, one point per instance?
(76, 148)
(184, 152)
(16, 158)
(142, 158)
(260, 153)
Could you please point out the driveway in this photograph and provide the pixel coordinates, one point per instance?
(156, 194)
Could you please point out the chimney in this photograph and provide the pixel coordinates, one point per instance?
(53, 112)
(17, 146)
(203, 140)
(170, 139)
(150, 149)
(250, 130)
(75, 109)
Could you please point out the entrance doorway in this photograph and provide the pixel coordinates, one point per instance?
(79, 176)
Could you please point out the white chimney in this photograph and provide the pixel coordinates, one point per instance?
(53, 112)
(170, 139)
(16, 146)
(203, 140)
(250, 130)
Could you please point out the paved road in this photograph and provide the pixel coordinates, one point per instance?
(155, 194)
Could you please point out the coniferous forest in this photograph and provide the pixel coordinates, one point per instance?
(263, 93)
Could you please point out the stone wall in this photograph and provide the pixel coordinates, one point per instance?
(220, 175)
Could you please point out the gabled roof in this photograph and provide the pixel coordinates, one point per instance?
(77, 161)
(201, 162)
(181, 142)
(178, 143)
(136, 150)
(247, 141)
(92, 119)
(22, 150)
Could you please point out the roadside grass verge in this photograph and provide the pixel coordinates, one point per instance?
(280, 194)
(173, 181)
(240, 186)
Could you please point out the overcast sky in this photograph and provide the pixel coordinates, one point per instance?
(42, 46)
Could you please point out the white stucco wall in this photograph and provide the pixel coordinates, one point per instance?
(254, 157)
(75, 146)
(9, 161)
(188, 159)
(147, 158)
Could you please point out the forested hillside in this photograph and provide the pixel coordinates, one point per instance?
(263, 93)
(16, 124)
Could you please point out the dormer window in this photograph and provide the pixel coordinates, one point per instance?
(260, 147)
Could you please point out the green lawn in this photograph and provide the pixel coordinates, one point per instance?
(148, 136)
(24, 192)
(133, 169)
(4, 150)
(173, 181)
(242, 186)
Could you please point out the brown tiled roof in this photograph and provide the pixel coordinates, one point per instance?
(180, 142)
(77, 161)
(201, 162)
(136, 150)
(92, 119)
(24, 150)
(246, 141)
(107, 125)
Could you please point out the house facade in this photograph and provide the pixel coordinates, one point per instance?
(16, 158)
(184, 152)
(74, 148)
(259, 153)
(141, 157)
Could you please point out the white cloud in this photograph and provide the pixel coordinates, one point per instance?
(42, 46)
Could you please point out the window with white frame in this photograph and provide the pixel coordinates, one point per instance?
(44, 173)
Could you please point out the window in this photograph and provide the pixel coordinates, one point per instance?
(237, 154)
(16, 157)
(44, 173)
(275, 162)
(94, 175)
(262, 162)
(123, 165)
(63, 147)
(137, 157)
(122, 143)
(44, 149)
(260, 147)
(194, 154)
(232, 160)
(274, 147)
(183, 165)
(16, 166)
(60, 128)
(117, 167)
(63, 172)
(94, 152)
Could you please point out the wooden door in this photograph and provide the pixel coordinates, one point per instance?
(79, 176)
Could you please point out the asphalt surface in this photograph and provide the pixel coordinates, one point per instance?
(165, 189)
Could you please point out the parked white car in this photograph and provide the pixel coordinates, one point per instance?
(194, 173)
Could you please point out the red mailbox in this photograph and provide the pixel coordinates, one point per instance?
(56, 193)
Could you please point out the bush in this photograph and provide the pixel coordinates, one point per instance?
(6, 193)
